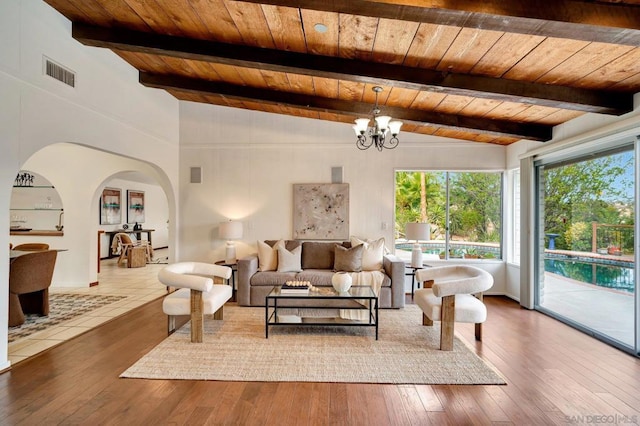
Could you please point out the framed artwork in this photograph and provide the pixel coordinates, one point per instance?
(135, 206)
(110, 201)
(321, 211)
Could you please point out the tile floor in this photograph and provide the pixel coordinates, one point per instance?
(140, 285)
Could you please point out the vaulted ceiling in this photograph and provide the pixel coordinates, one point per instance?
(493, 71)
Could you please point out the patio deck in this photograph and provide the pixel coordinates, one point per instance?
(607, 311)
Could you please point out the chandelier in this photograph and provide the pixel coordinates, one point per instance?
(383, 133)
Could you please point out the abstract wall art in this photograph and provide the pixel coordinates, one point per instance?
(110, 212)
(135, 206)
(321, 211)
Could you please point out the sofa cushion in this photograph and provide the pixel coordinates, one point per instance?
(373, 253)
(272, 278)
(317, 277)
(289, 261)
(348, 259)
(268, 256)
(317, 255)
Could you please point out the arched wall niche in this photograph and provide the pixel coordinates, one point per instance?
(35, 205)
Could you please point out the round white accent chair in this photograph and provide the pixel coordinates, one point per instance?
(453, 294)
(197, 295)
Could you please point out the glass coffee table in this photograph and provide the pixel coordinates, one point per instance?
(358, 298)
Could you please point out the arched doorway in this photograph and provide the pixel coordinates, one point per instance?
(78, 174)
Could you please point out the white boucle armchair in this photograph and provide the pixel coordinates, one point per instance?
(197, 295)
(453, 294)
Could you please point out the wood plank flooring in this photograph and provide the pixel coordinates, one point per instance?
(555, 375)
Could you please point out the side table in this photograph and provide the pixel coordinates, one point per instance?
(412, 274)
(234, 269)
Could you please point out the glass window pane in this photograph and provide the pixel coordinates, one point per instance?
(421, 197)
(473, 211)
(475, 215)
(587, 216)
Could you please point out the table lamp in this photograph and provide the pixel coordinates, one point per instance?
(419, 232)
(229, 231)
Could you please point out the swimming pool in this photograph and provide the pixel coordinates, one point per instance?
(610, 276)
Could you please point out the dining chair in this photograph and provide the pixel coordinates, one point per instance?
(31, 247)
(29, 280)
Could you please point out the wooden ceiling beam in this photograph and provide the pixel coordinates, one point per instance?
(596, 101)
(578, 20)
(536, 132)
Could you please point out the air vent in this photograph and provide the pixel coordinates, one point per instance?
(59, 72)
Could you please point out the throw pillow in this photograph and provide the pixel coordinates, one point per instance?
(289, 261)
(348, 259)
(268, 256)
(317, 255)
(373, 253)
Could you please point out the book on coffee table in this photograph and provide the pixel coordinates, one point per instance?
(296, 288)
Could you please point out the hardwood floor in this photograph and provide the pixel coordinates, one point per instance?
(555, 375)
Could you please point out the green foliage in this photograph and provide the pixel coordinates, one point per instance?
(578, 236)
(475, 200)
(588, 191)
(408, 198)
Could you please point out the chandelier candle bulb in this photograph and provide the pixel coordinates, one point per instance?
(361, 125)
(394, 127)
(383, 122)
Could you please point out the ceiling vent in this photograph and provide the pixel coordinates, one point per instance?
(60, 73)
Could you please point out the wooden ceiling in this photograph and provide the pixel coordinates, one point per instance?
(493, 71)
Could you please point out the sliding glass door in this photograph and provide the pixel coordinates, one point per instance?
(586, 243)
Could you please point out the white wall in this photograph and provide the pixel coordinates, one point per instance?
(108, 110)
(250, 161)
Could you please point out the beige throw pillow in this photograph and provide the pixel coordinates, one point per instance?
(348, 259)
(268, 256)
(373, 253)
(289, 261)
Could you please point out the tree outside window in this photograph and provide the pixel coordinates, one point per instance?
(473, 212)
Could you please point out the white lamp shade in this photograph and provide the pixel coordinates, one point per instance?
(361, 125)
(383, 122)
(418, 231)
(394, 127)
(230, 230)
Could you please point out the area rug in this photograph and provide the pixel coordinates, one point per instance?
(62, 307)
(236, 350)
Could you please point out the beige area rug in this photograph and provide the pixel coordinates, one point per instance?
(236, 350)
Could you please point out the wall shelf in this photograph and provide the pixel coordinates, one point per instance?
(38, 233)
(39, 210)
